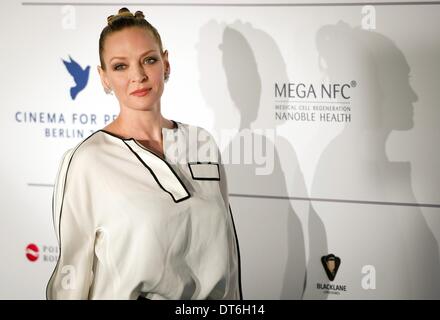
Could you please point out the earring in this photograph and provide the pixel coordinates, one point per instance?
(108, 91)
(166, 76)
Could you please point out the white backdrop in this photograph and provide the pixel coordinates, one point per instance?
(354, 175)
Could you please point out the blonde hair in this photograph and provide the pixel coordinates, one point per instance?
(126, 19)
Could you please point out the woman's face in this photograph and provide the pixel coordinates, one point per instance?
(133, 61)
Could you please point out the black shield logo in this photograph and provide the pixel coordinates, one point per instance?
(331, 265)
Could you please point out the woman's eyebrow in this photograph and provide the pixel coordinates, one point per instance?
(140, 55)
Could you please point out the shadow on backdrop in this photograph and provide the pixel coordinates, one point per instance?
(394, 239)
(269, 231)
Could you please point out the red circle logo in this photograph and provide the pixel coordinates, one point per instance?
(32, 252)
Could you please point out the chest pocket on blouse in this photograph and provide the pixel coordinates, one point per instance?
(204, 170)
(206, 177)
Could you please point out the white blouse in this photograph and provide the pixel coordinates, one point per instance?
(130, 223)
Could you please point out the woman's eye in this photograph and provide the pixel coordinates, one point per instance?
(150, 60)
(118, 67)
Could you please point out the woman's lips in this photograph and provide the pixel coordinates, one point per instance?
(140, 93)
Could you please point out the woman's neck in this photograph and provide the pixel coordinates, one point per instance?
(140, 125)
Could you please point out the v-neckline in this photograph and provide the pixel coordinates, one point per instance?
(161, 156)
(174, 186)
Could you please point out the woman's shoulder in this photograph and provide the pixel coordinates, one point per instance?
(200, 143)
(199, 132)
(86, 150)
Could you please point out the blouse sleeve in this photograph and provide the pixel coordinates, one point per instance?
(234, 291)
(72, 276)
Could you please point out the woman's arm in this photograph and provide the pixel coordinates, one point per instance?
(234, 286)
(71, 208)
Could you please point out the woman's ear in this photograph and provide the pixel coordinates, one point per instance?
(166, 64)
(104, 80)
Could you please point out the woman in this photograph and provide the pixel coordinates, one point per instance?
(139, 209)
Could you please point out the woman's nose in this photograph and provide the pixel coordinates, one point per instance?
(139, 74)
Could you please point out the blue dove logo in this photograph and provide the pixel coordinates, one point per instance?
(80, 76)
